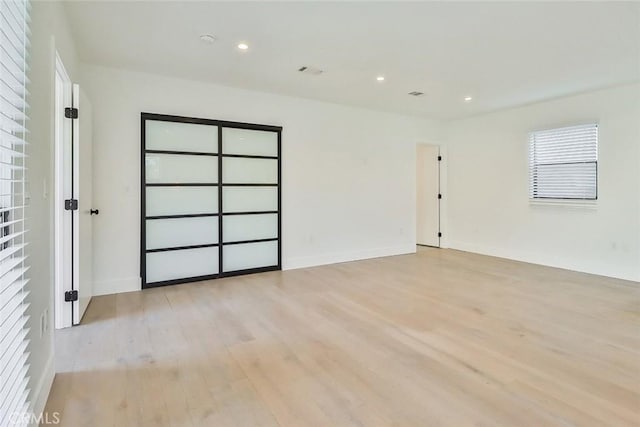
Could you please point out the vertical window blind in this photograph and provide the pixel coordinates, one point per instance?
(14, 43)
(563, 163)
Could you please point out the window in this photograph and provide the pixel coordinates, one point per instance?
(563, 163)
(13, 305)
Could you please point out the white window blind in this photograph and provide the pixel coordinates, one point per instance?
(14, 43)
(563, 163)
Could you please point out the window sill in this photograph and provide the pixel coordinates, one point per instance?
(578, 204)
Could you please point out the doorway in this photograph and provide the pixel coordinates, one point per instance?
(73, 210)
(428, 195)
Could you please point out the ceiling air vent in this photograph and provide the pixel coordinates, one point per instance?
(311, 70)
(416, 93)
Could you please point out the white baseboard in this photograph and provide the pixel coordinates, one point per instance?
(107, 287)
(42, 389)
(338, 257)
(117, 286)
(532, 258)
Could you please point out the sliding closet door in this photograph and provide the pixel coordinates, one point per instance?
(210, 199)
(251, 218)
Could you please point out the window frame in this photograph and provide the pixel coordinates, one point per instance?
(532, 176)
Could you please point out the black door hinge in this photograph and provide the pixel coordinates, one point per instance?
(71, 113)
(71, 205)
(439, 158)
(439, 234)
(439, 196)
(70, 296)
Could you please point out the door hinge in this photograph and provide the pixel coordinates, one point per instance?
(70, 296)
(71, 205)
(439, 234)
(439, 158)
(439, 196)
(71, 113)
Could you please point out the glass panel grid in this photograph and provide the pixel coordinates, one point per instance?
(250, 184)
(161, 201)
(180, 168)
(172, 265)
(249, 199)
(174, 136)
(238, 228)
(249, 142)
(179, 232)
(249, 171)
(249, 256)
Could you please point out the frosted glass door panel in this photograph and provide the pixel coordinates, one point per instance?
(249, 199)
(249, 142)
(181, 200)
(173, 136)
(181, 264)
(251, 171)
(237, 228)
(250, 255)
(180, 168)
(177, 232)
(190, 230)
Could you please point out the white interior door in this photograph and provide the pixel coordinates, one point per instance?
(82, 186)
(427, 197)
(63, 192)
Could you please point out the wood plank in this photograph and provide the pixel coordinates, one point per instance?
(437, 338)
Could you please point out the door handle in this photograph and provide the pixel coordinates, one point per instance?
(94, 211)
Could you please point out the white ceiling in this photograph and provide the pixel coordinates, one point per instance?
(502, 54)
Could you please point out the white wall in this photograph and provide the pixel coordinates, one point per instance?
(49, 32)
(348, 173)
(488, 207)
(349, 177)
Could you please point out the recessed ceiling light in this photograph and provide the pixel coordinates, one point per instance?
(243, 46)
(208, 38)
(468, 99)
(380, 78)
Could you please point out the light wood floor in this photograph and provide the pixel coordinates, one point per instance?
(440, 338)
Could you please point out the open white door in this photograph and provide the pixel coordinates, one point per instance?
(63, 192)
(428, 195)
(82, 186)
